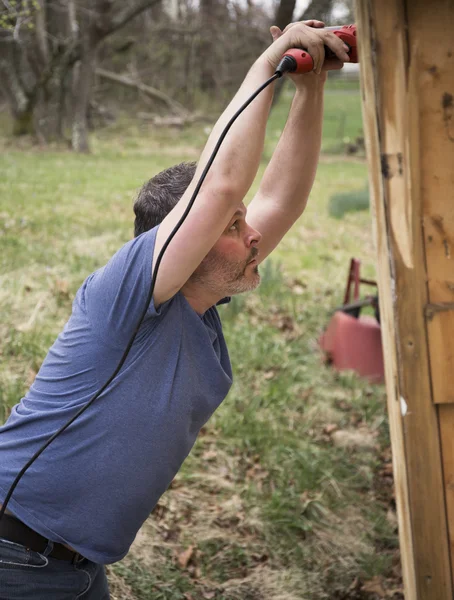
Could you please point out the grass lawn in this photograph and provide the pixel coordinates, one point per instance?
(267, 506)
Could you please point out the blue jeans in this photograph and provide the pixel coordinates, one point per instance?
(25, 574)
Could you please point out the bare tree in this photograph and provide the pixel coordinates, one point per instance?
(42, 42)
(284, 13)
(61, 59)
(318, 9)
(284, 16)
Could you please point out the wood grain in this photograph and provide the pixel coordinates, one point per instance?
(432, 30)
(446, 416)
(370, 100)
(441, 349)
(394, 121)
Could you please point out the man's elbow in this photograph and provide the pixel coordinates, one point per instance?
(225, 191)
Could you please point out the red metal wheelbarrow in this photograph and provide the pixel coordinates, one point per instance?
(351, 340)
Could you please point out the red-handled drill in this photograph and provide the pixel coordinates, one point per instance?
(300, 61)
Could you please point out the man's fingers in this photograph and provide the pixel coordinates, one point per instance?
(317, 51)
(314, 23)
(307, 38)
(311, 23)
(332, 64)
(336, 45)
(311, 36)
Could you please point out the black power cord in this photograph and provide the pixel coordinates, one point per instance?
(284, 66)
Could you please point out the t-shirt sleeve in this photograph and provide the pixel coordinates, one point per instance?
(115, 295)
(225, 300)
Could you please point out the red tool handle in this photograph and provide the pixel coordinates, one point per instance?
(304, 61)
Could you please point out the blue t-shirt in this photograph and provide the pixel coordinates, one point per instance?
(97, 483)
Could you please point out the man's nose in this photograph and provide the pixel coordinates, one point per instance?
(253, 236)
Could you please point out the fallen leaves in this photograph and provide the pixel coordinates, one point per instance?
(30, 376)
(24, 327)
(377, 588)
(351, 439)
(185, 557)
(62, 288)
(269, 374)
(330, 428)
(209, 455)
(374, 586)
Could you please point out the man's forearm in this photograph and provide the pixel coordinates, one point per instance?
(239, 156)
(290, 174)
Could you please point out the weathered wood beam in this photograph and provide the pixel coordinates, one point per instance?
(401, 133)
(430, 35)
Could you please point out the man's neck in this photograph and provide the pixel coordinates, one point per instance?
(200, 300)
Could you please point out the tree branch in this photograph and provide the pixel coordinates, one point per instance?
(105, 25)
(122, 13)
(317, 9)
(146, 89)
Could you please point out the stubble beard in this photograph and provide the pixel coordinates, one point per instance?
(226, 278)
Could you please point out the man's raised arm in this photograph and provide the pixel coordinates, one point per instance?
(225, 186)
(234, 168)
(288, 179)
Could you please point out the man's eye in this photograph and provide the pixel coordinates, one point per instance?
(233, 226)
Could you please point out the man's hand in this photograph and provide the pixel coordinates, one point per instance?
(311, 36)
(331, 64)
(288, 179)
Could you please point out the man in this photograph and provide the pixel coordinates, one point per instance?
(80, 505)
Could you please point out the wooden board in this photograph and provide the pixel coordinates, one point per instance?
(435, 56)
(431, 37)
(446, 415)
(393, 119)
(370, 100)
(440, 326)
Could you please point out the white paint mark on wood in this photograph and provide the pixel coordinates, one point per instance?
(403, 406)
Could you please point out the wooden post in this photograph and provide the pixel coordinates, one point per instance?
(406, 50)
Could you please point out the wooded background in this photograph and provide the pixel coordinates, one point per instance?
(67, 66)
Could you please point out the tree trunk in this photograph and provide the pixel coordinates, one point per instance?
(20, 101)
(318, 9)
(284, 15)
(67, 75)
(40, 31)
(34, 64)
(87, 67)
(63, 85)
(23, 122)
(207, 67)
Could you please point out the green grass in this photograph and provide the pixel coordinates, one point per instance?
(266, 504)
(350, 201)
(342, 121)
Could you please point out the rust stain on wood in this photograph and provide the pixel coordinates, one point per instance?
(438, 223)
(447, 101)
(447, 104)
(431, 309)
(385, 166)
(392, 165)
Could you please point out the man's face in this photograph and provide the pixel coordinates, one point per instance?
(231, 266)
